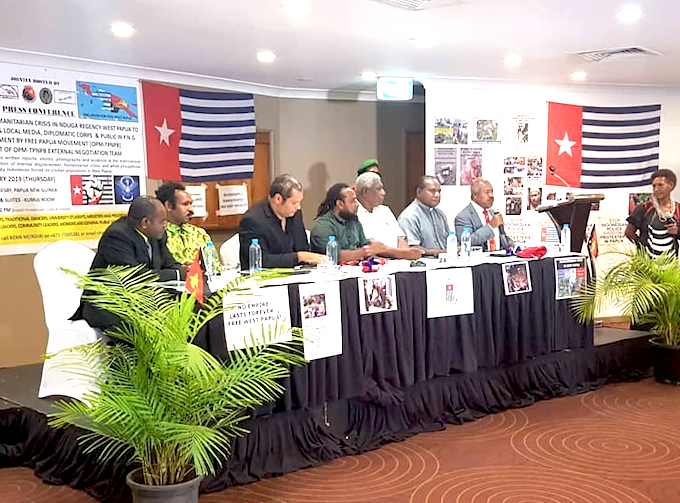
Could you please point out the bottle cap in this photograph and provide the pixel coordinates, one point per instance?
(467, 229)
(331, 238)
(565, 225)
(209, 243)
(254, 241)
(452, 232)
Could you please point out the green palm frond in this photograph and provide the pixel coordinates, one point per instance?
(646, 289)
(162, 401)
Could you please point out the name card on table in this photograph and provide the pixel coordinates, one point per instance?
(449, 292)
(321, 319)
(233, 199)
(263, 309)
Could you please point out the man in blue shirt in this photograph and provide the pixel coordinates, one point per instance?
(424, 224)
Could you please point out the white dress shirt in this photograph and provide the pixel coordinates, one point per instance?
(480, 214)
(381, 225)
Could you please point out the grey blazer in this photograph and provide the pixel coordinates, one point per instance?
(481, 233)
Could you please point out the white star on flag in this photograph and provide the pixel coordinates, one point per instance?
(165, 132)
(565, 145)
(77, 190)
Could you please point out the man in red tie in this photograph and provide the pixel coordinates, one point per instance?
(486, 224)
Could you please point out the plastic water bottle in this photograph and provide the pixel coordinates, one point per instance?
(210, 260)
(332, 253)
(565, 239)
(451, 247)
(466, 243)
(255, 256)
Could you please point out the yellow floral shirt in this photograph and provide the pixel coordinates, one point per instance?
(185, 240)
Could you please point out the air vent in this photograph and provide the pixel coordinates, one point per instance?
(623, 52)
(405, 4)
(421, 4)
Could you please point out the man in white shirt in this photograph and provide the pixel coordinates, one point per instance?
(378, 221)
(485, 223)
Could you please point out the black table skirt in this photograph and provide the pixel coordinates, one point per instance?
(399, 374)
(291, 440)
(386, 352)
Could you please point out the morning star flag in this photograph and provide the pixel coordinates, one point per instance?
(603, 147)
(198, 136)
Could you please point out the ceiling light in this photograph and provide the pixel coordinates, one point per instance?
(369, 75)
(266, 56)
(579, 75)
(122, 29)
(513, 59)
(629, 13)
(296, 8)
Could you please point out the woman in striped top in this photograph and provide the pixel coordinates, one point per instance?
(653, 225)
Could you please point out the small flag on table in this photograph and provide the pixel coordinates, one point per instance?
(194, 281)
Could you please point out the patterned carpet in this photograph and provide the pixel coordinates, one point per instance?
(620, 444)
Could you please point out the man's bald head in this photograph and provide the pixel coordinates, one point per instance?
(481, 192)
(147, 215)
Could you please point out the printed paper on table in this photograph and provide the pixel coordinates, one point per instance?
(265, 309)
(321, 319)
(449, 292)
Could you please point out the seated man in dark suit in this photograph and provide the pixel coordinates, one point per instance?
(277, 223)
(485, 223)
(136, 239)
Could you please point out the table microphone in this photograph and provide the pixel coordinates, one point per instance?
(570, 194)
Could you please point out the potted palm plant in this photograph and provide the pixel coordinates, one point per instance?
(648, 290)
(163, 402)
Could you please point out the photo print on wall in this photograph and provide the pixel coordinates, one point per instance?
(470, 165)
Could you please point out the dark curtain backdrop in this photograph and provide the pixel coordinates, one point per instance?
(385, 352)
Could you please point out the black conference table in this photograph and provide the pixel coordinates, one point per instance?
(399, 374)
(384, 353)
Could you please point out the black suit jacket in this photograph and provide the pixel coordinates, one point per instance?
(122, 244)
(279, 248)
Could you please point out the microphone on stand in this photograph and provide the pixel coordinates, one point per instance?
(570, 194)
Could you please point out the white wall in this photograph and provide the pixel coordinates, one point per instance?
(454, 98)
(447, 97)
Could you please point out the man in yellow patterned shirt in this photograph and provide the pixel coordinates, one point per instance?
(184, 239)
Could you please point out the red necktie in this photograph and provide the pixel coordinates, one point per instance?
(492, 240)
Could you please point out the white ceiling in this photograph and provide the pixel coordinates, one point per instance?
(340, 38)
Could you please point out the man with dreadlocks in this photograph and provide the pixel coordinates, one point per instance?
(337, 216)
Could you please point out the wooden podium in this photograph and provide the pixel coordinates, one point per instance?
(573, 211)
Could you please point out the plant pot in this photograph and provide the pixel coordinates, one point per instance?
(186, 492)
(666, 361)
